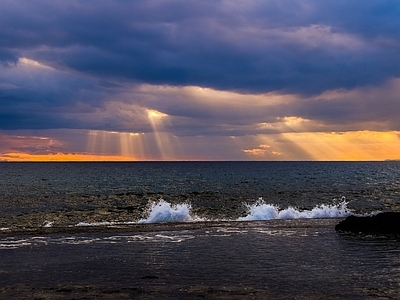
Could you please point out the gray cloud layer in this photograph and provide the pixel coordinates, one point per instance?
(100, 52)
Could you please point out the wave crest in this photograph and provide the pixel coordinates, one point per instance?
(263, 211)
(163, 211)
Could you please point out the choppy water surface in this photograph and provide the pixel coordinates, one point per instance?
(33, 194)
(216, 230)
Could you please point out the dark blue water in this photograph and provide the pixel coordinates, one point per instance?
(69, 193)
(70, 230)
(279, 259)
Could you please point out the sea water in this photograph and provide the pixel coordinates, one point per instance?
(65, 194)
(231, 230)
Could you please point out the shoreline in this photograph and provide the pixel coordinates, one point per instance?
(170, 226)
(276, 259)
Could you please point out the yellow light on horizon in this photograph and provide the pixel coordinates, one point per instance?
(124, 144)
(353, 145)
(61, 157)
(326, 146)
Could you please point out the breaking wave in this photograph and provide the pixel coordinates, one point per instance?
(264, 211)
(163, 211)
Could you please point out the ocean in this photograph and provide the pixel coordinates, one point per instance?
(189, 230)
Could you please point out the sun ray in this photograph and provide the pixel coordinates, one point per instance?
(355, 145)
(124, 144)
(157, 121)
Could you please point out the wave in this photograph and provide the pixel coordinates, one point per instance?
(163, 211)
(264, 211)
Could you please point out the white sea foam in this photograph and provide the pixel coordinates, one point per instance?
(162, 212)
(83, 224)
(165, 212)
(264, 211)
(47, 224)
(14, 243)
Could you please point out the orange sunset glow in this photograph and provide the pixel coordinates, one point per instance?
(317, 146)
(60, 157)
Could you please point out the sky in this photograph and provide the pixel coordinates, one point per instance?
(199, 80)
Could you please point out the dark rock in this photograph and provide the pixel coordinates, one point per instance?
(382, 223)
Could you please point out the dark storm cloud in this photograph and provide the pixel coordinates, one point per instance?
(219, 44)
(39, 97)
(89, 55)
(366, 108)
(7, 57)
